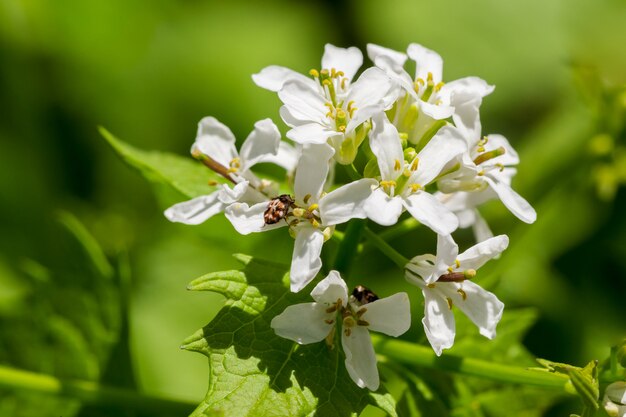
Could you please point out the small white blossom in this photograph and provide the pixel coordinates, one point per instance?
(425, 99)
(444, 281)
(403, 183)
(313, 322)
(330, 107)
(314, 212)
(216, 143)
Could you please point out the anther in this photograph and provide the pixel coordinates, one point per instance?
(362, 323)
(449, 300)
(306, 198)
(213, 183)
(329, 321)
(314, 223)
(439, 85)
(313, 207)
(415, 164)
(463, 294)
(314, 73)
(483, 157)
(298, 212)
(415, 187)
(457, 263)
(397, 166)
(431, 285)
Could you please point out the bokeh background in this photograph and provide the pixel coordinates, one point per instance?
(149, 70)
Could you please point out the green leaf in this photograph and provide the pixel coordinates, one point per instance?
(253, 372)
(184, 174)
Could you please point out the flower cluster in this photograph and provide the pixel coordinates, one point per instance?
(412, 144)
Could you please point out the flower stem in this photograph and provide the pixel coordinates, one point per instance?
(412, 354)
(90, 392)
(348, 246)
(385, 248)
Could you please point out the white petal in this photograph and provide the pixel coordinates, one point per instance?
(470, 86)
(215, 140)
(311, 133)
(312, 171)
(424, 267)
(362, 114)
(262, 141)
(480, 253)
(360, 358)
(195, 211)
(305, 262)
(437, 112)
(426, 61)
(382, 208)
(385, 144)
(438, 321)
(229, 195)
(331, 289)
(375, 51)
(513, 201)
(348, 60)
(446, 145)
(371, 88)
(447, 252)
(390, 315)
(480, 306)
(286, 157)
(246, 219)
(274, 77)
(466, 115)
(303, 103)
(303, 323)
(346, 202)
(430, 212)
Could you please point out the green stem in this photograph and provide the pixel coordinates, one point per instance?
(90, 392)
(385, 248)
(412, 354)
(348, 246)
(353, 172)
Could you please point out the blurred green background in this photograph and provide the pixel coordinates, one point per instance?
(149, 70)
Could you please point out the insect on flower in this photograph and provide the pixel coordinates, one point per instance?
(278, 208)
(363, 295)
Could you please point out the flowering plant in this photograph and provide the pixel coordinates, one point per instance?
(370, 153)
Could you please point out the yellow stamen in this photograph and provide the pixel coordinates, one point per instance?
(415, 187)
(449, 300)
(457, 263)
(463, 295)
(314, 73)
(397, 166)
(313, 207)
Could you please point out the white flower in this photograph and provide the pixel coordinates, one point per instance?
(614, 401)
(425, 98)
(215, 143)
(402, 182)
(487, 171)
(313, 322)
(445, 283)
(312, 214)
(330, 107)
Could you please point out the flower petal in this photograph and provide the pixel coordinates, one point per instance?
(311, 173)
(446, 145)
(360, 358)
(274, 77)
(480, 253)
(331, 289)
(481, 228)
(447, 252)
(305, 262)
(348, 60)
(215, 140)
(390, 315)
(382, 208)
(398, 59)
(430, 212)
(437, 112)
(479, 305)
(286, 157)
(250, 219)
(262, 141)
(303, 103)
(438, 321)
(346, 202)
(372, 87)
(385, 144)
(311, 133)
(513, 201)
(303, 323)
(195, 211)
(427, 61)
(469, 86)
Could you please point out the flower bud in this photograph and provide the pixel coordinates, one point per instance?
(614, 401)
